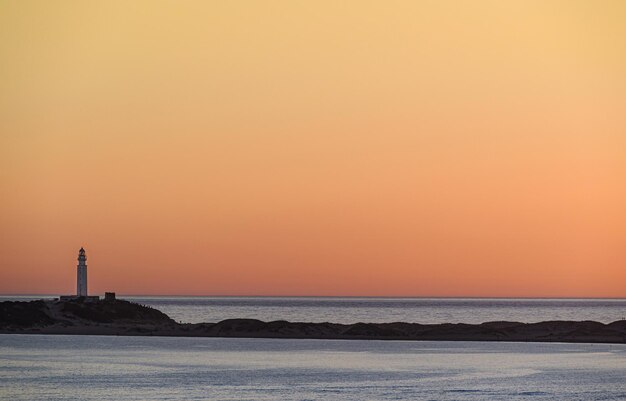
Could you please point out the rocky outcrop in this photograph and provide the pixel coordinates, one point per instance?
(114, 311)
(24, 314)
(553, 331)
(16, 316)
(126, 318)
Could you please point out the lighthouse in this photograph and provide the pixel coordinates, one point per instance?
(81, 283)
(81, 274)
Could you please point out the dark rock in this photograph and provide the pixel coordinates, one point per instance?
(24, 314)
(127, 318)
(113, 311)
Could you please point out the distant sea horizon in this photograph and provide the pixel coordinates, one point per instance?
(374, 309)
(121, 295)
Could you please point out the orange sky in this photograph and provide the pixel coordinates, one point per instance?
(390, 148)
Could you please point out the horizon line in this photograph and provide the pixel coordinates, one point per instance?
(328, 296)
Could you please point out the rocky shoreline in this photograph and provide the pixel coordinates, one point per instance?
(130, 319)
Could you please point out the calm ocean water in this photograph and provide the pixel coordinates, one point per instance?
(42, 367)
(375, 310)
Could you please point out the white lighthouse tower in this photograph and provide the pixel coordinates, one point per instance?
(81, 274)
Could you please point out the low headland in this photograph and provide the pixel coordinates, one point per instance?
(123, 318)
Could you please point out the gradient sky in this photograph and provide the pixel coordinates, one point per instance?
(390, 148)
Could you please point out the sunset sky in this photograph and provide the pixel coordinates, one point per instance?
(389, 148)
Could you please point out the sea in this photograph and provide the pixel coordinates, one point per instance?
(376, 310)
(60, 367)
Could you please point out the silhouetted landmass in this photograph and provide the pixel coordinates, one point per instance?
(113, 311)
(24, 314)
(126, 318)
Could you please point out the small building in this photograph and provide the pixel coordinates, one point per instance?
(109, 296)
